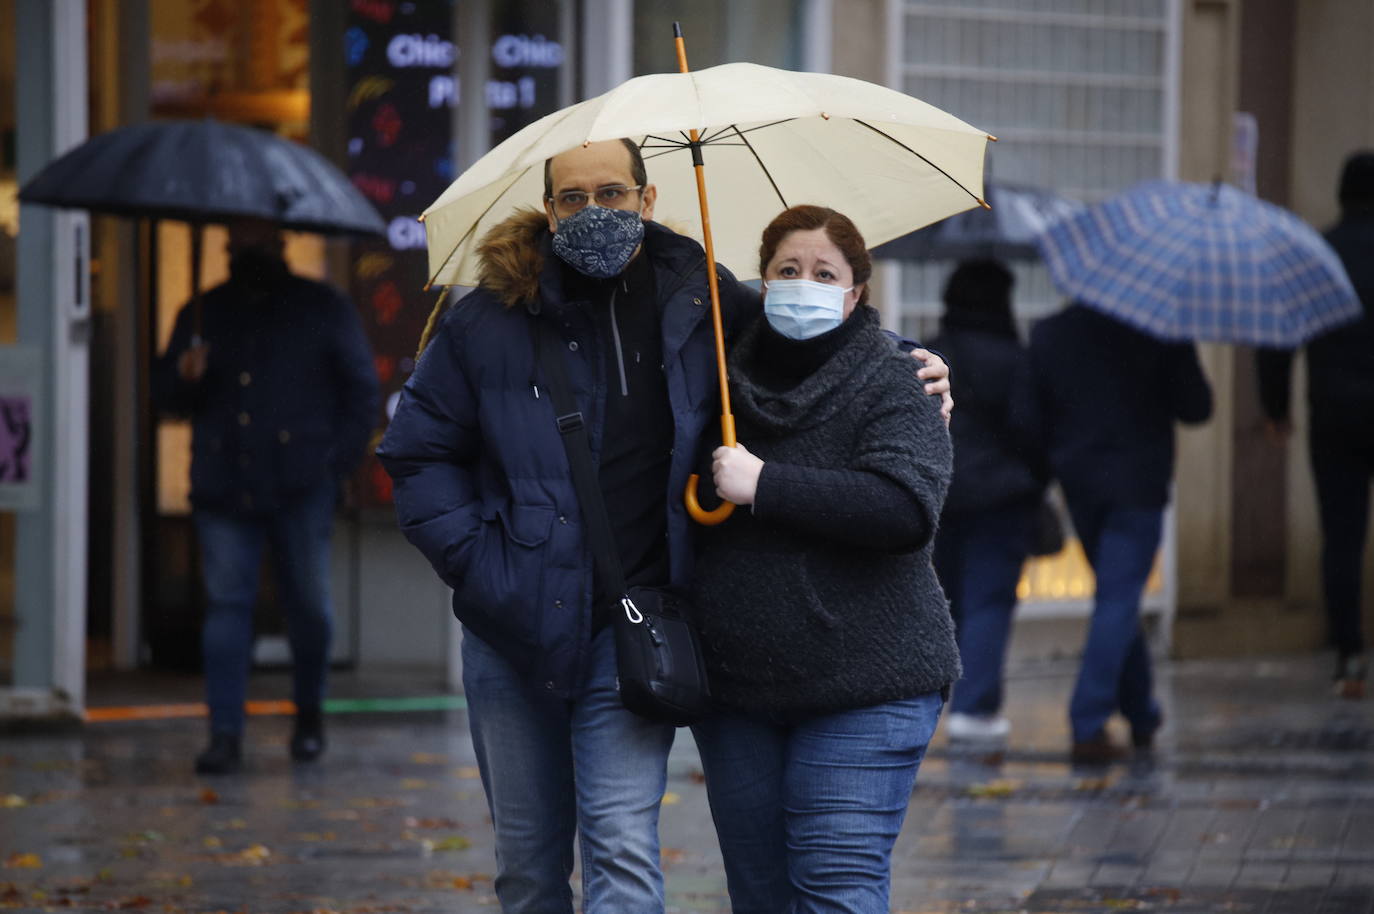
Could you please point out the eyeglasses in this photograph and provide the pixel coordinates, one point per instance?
(570, 201)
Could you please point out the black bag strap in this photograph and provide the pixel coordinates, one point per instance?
(572, 428)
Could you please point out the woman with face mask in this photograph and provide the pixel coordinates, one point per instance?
(828, 640)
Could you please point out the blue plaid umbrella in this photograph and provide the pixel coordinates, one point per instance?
(1201, 262)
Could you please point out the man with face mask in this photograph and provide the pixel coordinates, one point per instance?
(277, 378)
(483, 489)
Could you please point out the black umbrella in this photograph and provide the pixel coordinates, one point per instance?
(204, 171)
(1006, 231)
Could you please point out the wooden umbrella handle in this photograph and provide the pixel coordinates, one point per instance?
(727, 418)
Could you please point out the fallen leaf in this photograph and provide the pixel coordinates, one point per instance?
(413, 822)
(138, 901)
(671, 799)
(429, 758)
(467, 771)
(414, 783)
(671, 855)
(212, 842)
(453, 843)
(13, 801)
(18, 861)
(1001, 788)
(209, 797)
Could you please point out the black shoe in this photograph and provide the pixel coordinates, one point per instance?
(1351, 672)
(222, 756)
(307, 739)
(1097, 750)
(1143, 738)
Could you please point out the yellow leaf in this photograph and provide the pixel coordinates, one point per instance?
(254, 854)
(671, 799)
(212, 842)
(13, 801)
(414, 783)
(453, 843)
(18, 861)
(1001, 788)
(426, 758)
(467, 772)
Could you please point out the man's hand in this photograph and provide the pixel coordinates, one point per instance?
(736, 473)
(192, 362)
(936, 373)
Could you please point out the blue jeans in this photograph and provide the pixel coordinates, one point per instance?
(1115, 674)
(978, 558)
(554, 768)
(231, 557)
(807, 812)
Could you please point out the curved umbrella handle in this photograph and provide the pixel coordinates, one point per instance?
(700, 514)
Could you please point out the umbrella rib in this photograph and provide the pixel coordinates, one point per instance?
(469, 232)
(919, 156)
(766, 173)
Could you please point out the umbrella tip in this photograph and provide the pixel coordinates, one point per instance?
(991, 138)
(677, 29)
(420, 218)
(429, 284)
(983, 203)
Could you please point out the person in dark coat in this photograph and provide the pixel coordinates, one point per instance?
(1108, 427)
(996, 493)
(276, 374)
(484, 490)
(827, 638)
(1340, 397)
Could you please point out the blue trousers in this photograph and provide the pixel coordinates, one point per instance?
(807, 812)
(1115, 674)
(231, 547)
(554, 769)
(978, 558)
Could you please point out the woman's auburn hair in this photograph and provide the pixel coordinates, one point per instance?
(838, 228)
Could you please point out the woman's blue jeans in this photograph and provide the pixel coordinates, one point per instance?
(553, 768)
(231, 546)
(978, 558)
(807, 812)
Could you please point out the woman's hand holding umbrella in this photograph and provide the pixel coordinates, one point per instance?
(736, 473)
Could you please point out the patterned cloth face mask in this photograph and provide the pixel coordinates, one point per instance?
(598, 241)
(801, 309)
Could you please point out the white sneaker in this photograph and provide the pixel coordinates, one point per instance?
(977, 727)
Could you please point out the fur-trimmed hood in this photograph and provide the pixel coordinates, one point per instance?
(511, 256)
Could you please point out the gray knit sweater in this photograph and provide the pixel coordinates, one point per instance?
(823, 597)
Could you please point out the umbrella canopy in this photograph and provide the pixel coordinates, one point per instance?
(1201, 262)
(771, 139)
(1008, 231)
(205, 171)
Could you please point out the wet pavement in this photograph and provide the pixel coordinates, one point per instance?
(1259, 798)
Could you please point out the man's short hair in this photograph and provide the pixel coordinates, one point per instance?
(637, 172)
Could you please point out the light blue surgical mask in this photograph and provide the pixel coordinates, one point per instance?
(801, 309)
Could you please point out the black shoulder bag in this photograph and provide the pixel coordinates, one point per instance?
(661, 673)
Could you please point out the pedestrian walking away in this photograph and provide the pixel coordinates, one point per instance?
(827, 637)
(1340, 398)
(995, 495)
(1108, 428)
(484, 490)
(276, 375)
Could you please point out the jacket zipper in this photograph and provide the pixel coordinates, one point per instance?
(619, 353)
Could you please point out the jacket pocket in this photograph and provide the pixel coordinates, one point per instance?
(505, 580)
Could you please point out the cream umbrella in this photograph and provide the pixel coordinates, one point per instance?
(769, 138)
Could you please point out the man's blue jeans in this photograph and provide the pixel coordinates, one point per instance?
(554, 768)
(978, 558)
(807, 812)
(231, 557)
(1115, 674)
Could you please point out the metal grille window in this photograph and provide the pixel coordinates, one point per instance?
(1078, 92)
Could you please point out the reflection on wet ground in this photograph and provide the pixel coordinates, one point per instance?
(1259, 798)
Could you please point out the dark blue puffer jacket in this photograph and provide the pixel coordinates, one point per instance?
(482, 485)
